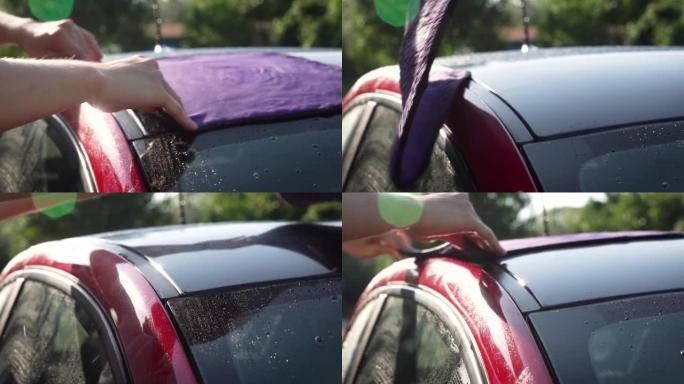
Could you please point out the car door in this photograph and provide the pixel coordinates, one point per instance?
(407, 334)
(54, 332)
(369, 127)
(43, 156)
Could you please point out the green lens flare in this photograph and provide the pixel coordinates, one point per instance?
(48, 10)
(400, 210)
(397, 12)
(54, 205)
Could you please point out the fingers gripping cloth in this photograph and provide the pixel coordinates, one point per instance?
(426, 94)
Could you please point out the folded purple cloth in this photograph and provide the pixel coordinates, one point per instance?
(425, 104)
(248, 87)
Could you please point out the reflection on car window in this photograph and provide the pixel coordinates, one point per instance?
(410, 344)
(290, 156)
(37, 157)
(637, 340)
(644, 158)
(370, 169)
(285, 333)
(49, 339)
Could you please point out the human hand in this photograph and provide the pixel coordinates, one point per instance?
(58, 39)
(447, 217)
(389, 243)
(136, 82)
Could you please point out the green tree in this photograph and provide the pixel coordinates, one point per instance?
(263, 23)
(629, 211)
(598, 22)
(118, 25)
(369, 43)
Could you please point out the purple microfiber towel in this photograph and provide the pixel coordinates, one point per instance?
(425, 104)
(249, 87)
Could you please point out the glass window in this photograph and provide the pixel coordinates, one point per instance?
(370, 169)
(290, 156)
(410, 344)
(636, 159)
(636, 340)
(49, 338)
(285, 333)
(38, 157)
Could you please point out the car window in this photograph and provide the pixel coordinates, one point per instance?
(283, 333)
(410, 344)
(49, 338)
(370, 167)
(635, 340)
(38, 157)
(643, 158)
(290, 156)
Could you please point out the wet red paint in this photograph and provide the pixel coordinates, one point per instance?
(505, 343)
(151, 346)
(110, 156)
(493, 157)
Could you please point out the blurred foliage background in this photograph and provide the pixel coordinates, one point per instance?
(134, 210)
(128, 25)
(484, 25)
(503, 213)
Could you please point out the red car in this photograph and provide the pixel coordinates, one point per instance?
(553, 119)
(593, 308)
(244, 144)
(213, 303)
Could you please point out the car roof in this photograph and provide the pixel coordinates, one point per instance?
(329, 56)
(564, 91)
(571, 269)
(202, 257)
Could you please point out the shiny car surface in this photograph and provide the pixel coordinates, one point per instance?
(608, 117)
(210, 303)
(590, 308)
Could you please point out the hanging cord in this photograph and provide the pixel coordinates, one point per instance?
(526, 27)
(181, 208)
(545, 217)
(158, 26)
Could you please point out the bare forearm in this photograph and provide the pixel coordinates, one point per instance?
(10, 28)
(360, 216)
(32, 89)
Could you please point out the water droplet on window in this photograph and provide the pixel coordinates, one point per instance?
(318, 339)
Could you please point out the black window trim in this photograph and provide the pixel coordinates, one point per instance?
(435, 303)
(72, 288)
(85, 168)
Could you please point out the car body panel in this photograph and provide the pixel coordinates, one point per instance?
(111, 159)
(153, 350)
(506, 344)
(608, 269)
(595, 91)
(234, 254)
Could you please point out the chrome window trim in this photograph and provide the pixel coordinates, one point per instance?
(72, 288)
(374, 304)
(438, 305)
(6, 308)
(85, 168)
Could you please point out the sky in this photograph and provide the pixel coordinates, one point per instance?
(557, 200)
